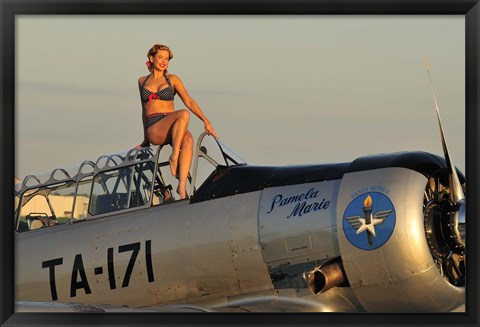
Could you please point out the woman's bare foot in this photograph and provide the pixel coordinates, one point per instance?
(166, 194)
(173, 166)
(182, 192)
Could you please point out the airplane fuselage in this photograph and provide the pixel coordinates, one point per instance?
(251, 233)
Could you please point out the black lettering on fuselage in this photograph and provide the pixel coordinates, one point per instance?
(83, 283)
(79, 278)
(51, 265)
(111, 269)
(135, 247)
(148, 256)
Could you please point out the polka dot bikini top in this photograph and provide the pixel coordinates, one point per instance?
(166, 94)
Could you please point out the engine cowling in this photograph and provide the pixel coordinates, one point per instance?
(395, 242)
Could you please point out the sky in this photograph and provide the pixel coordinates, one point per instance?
(279, 90)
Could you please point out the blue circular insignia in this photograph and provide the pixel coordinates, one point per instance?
(369, 220)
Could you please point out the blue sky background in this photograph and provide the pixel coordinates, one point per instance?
(279, 90)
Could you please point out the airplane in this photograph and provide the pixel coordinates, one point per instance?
(382, 233)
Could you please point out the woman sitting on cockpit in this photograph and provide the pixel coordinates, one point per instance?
(162, 124)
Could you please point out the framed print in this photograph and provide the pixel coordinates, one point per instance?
(267, 163)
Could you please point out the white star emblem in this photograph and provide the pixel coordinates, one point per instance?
(358, 222)
(369, 227)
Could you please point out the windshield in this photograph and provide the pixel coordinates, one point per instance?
(211, 154)
(231, 157)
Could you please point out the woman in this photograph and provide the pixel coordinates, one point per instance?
(162, 124)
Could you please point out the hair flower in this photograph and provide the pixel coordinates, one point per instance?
(149, 65)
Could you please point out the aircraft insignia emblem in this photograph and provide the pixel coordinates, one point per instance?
(369, 220)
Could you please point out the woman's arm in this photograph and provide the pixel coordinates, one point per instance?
(145, 141)
(191, 104)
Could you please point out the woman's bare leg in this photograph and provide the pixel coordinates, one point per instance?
(178, 133)
(170, 129)
(184, 162)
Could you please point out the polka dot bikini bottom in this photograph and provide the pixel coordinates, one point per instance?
(154, 118)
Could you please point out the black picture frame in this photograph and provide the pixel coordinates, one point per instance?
(12, 8)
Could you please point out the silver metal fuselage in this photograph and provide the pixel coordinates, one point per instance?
(244, 247)
(197, 250)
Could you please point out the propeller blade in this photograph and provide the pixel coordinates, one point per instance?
(455, 186)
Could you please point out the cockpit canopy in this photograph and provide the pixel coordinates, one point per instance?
(124, 181)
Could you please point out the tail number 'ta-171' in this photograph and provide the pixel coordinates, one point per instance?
(78, 269)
